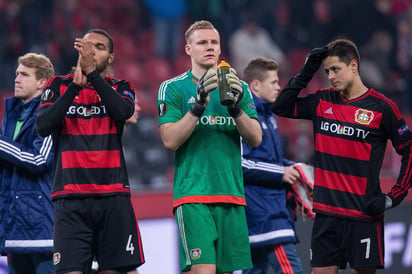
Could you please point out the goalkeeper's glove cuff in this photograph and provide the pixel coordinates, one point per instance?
(197, 110)
(235, 111)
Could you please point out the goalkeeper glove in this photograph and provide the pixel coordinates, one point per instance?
(312, 64)
(377, 205)
(207, 83)
(236, 88)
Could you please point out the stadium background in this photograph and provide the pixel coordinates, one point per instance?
(381, 28)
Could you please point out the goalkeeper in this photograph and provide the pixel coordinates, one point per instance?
(205, 135)
(268, 178)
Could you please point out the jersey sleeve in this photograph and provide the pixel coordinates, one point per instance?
(169, 104)
(400, 135)
(37, 159)
(290, 105)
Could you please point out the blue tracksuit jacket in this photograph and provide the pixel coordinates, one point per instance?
(26, 210)
(269, 216)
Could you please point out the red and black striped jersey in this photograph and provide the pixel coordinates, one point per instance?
(350, 142)
(89, 157)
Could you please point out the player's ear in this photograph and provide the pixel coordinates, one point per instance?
(354, 65)
(111, 58)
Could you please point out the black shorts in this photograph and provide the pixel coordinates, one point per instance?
(337, 241)
(105, 228)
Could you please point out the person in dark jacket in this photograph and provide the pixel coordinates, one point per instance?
(26, 210)
(267, 178)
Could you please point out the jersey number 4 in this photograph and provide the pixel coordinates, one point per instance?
(129, 245)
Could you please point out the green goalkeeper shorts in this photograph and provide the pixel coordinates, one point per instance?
(213, 234)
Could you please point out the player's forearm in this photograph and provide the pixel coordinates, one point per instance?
(249, 129)
(174, 135)
(285, 104)
(118, 107)
(404, 181)
(51, 117)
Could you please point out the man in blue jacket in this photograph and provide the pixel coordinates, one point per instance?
(267, 178)
(26, 210)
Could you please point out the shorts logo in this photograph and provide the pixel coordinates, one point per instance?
(195, 253)
(162, 109)
(56, 258)
(363, 116)
(47, 95)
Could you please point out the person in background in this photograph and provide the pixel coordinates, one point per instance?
(86, 112)
(26, 159)
(352, 124)
(251, 41)
(205, 135)
(267, 177)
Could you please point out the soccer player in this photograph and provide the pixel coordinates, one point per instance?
(267, 177)
(208, 185)
(352, 124)
(86, 112)
(26, 159)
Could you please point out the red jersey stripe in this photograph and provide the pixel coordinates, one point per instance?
(209, 199)
(342, 147)
(91, 159)
(91, 188)
(349, 114)
(340, 181)
(93, 126)
(340, 211)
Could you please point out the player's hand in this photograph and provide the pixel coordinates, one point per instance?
(312, 63)
(377, 205)
(86, 52)
(235, 85)
(290, 175)
(207, 83)
(315, 58)
(79, 78)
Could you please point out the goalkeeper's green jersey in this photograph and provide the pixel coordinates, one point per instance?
(208, 165)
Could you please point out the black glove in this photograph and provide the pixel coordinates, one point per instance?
(312, 64)
(377, 205)
(235, 86)
(207, 83)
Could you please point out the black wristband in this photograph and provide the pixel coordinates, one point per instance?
(234, 111)
(197, 110)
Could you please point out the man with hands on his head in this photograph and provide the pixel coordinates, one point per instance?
(85, 112)
(205, 135)
(352, 124)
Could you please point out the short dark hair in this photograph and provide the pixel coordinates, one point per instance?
(256, 68)
(104, 33)
(345, 50)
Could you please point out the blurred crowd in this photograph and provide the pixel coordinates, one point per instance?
(149, 43)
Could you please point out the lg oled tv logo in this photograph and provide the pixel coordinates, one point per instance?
(86, 111)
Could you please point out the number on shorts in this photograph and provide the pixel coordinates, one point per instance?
(130, 246)
(368, 246)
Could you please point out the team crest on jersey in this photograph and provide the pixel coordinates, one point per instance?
(56, 258)
(162, 109)
(47, 95)
(363, 116)
(195, 253)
